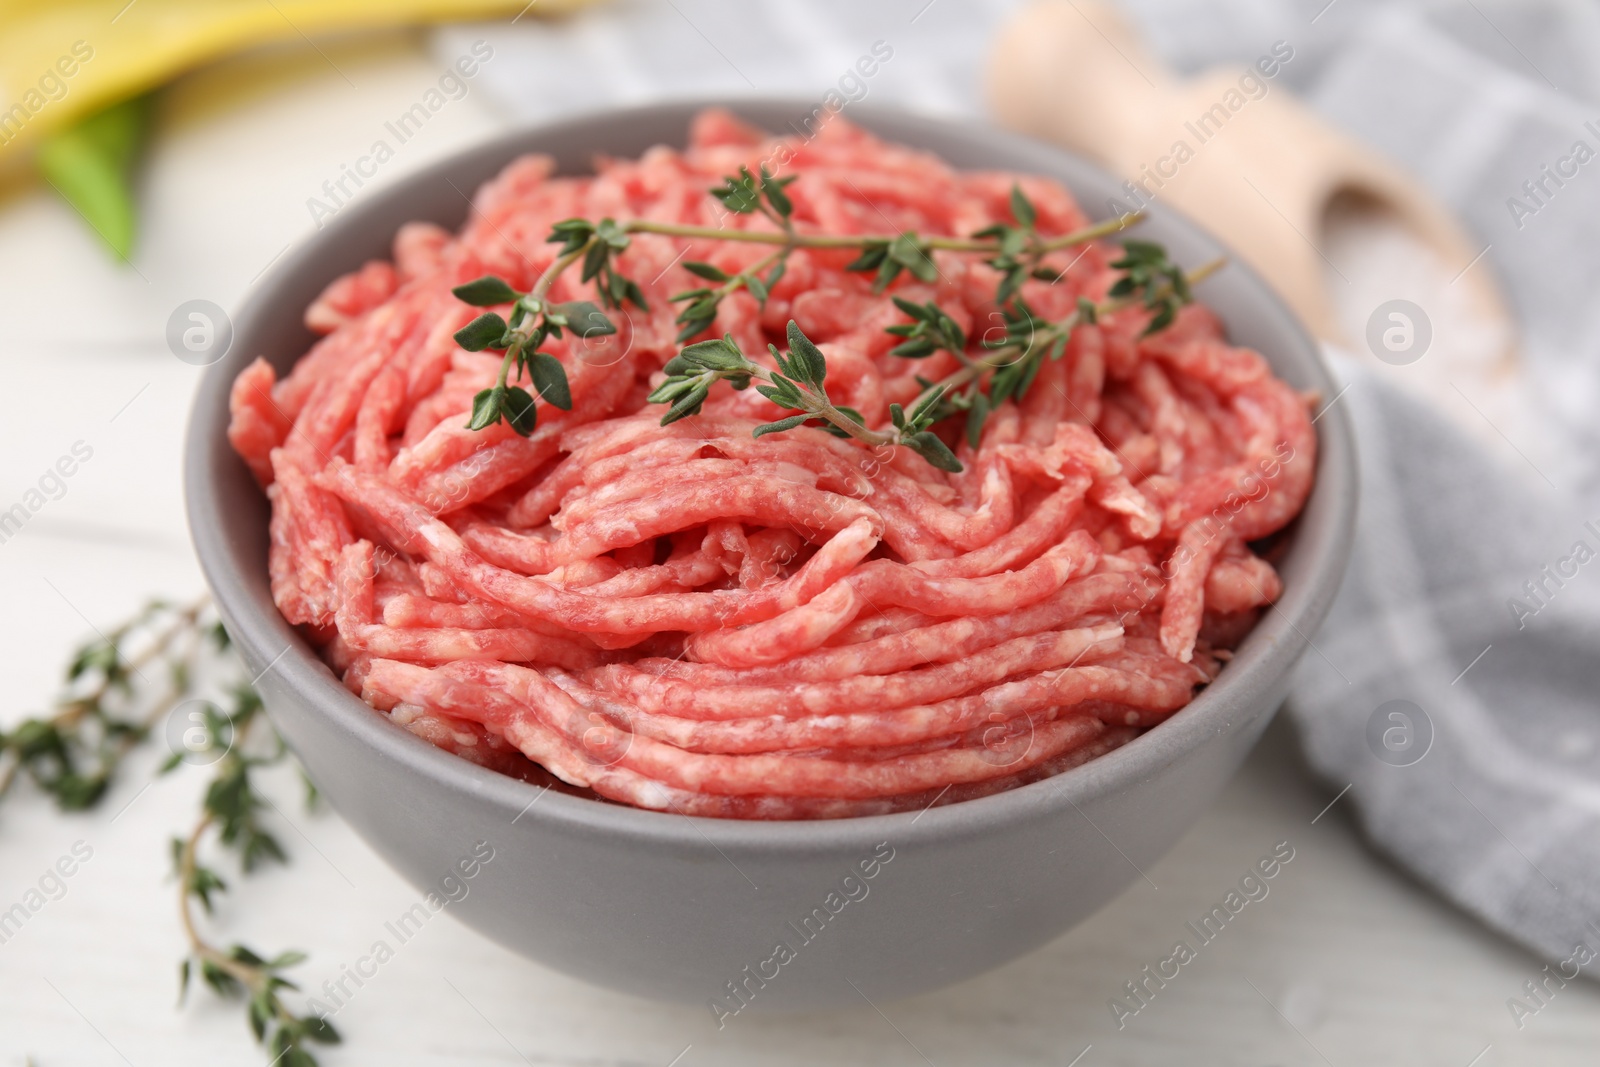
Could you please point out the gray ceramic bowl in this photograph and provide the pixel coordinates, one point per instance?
(675, 908)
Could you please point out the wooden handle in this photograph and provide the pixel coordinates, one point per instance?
(1228, 148)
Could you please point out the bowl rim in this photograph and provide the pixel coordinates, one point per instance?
(1261, 661)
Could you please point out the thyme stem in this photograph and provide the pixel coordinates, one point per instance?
(794, 239)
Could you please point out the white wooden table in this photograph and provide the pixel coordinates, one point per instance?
(1346, 962)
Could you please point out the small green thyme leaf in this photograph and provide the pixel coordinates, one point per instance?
(486, 292)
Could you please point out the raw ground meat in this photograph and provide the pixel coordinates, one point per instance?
(689, 619)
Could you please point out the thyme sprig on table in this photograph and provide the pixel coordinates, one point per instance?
(74, 752)
(232, 808)
(994, 371)
(119, 689)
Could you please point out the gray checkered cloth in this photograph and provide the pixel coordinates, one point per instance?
(1454, 686)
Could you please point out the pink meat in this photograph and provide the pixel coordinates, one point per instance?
(691, 619)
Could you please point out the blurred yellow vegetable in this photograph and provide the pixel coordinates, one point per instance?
(75, 74)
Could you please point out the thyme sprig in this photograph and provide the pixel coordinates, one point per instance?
(1008, 368)
(598, 245)
(74, 752)
(797, 385)
(119, 688)
(701, 311)
(931, 329)
(1002, 369)
(1013, 361)
(745, 194)
(232, 808)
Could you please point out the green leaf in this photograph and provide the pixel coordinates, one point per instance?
(757, 289)
(782, 392)
(486, 331)
(918, 312)
(550, 379)
(977, 414)
(775, 195)
(719, 354)
(320, 1030)
(287, 959)
(1162, 320)
(1030, 369)
(888, 271)
(573, 234)
(1022, 208)
(928, 445)
(918, 348)
(705, 270)
(519, 409)
(594, 259)
(907, 250)
(612, 233)
(872, 255)
(670, 390)
(740, 194)
(487, 407)
(78, 792)
(486, 292)
(920, 412)
(91, 164)
(688, 404)
(776, 273)
(697, 318)
(585, 319)
(260, 1011)
(778, 427)
(812, 367)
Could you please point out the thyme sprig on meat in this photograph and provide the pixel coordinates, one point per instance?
(999, 370)
(796, 384)
(1004, 371)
